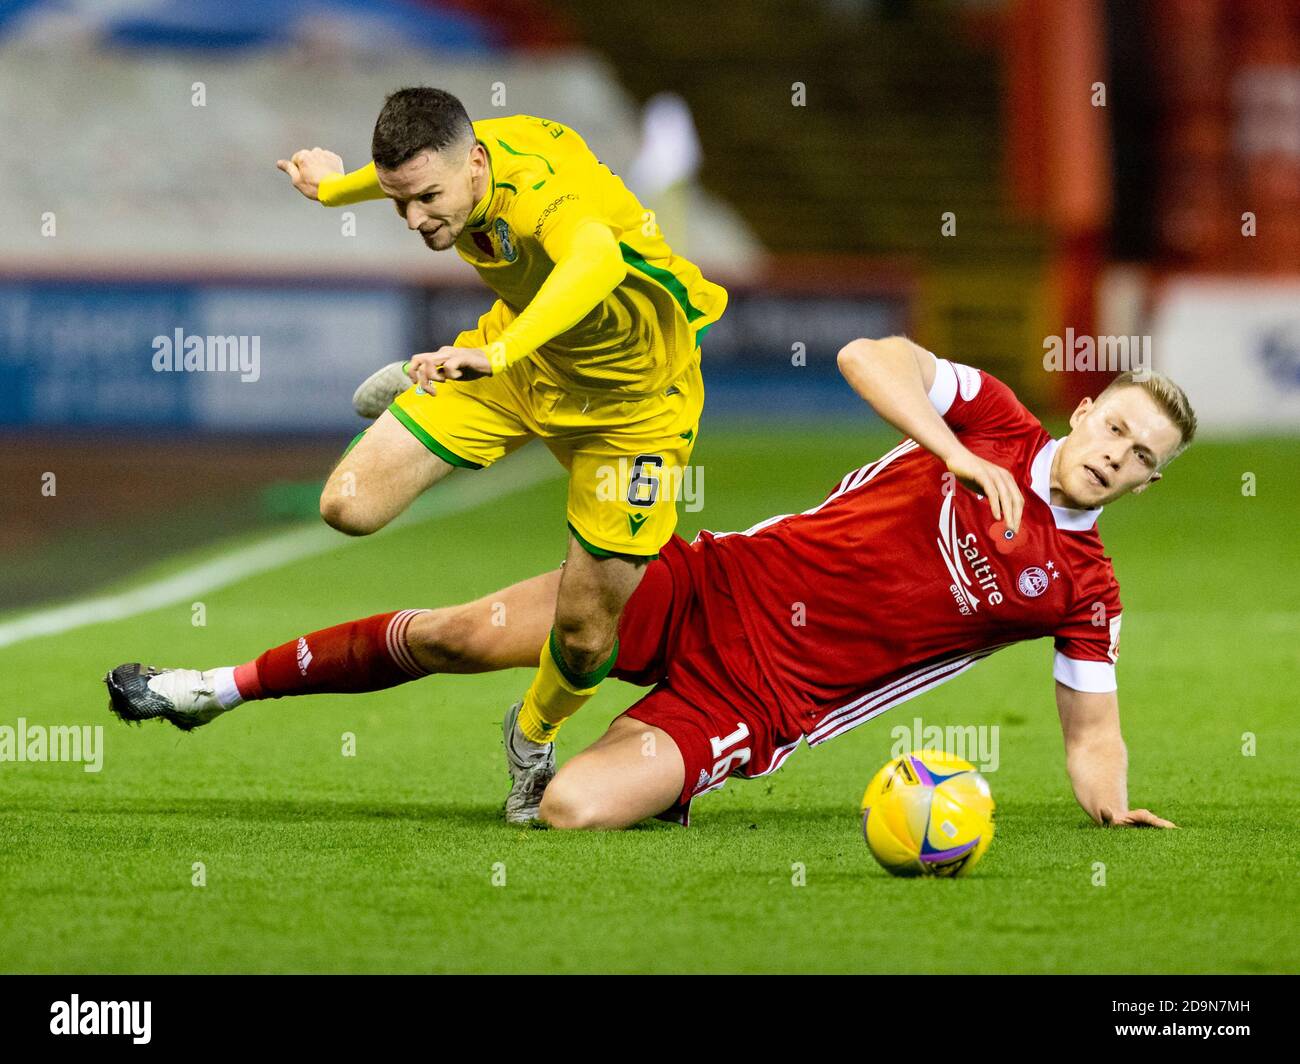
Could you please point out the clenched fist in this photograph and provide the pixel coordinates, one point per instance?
(308, 167)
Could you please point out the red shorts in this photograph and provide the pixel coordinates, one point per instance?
(681, 632)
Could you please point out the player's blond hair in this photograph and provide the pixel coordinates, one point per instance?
(1170, 398)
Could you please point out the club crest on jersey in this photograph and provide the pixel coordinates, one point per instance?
(1032, 582)
(508, 250)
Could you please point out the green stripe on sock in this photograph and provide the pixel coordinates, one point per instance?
(581, 681)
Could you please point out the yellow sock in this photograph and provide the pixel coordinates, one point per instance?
(557, 692)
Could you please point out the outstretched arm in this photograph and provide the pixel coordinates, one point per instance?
(318, 174)
(1096, 759)
(895, 375)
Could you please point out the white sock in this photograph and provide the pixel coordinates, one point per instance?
(223, 686)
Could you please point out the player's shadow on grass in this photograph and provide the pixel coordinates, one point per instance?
(453, 814)
(280, 810)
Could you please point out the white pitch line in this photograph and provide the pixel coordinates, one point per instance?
(456, 495)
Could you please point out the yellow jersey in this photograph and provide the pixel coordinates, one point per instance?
(546, 181)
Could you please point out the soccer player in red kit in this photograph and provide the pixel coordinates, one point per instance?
(978, 530)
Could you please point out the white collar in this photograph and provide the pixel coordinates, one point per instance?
(1040, 479)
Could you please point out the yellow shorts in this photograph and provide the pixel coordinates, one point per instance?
(627, 458)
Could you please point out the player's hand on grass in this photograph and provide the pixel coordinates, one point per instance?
(308, 167)
(448, 364)
(1136, 818)
(993, 482)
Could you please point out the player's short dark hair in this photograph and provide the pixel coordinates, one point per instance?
(415, 120)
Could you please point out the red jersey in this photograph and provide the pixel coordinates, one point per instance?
(900, 579)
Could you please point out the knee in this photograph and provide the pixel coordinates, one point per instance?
(565, 806)
(585, 641)
(441, 640)
(343, 513)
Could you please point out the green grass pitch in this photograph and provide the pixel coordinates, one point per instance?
(385, 861)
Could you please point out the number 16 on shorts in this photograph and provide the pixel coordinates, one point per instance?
(728, 754)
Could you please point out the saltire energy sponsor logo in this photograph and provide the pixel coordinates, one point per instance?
(956, 552)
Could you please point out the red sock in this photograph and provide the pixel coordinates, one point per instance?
(366, 655)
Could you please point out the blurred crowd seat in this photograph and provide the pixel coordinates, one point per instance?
(1229, 106)
(901, 123)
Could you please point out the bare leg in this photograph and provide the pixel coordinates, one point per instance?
(379, 478)
(592, 594)
(632, 772)
(506, 629)
(503, 630)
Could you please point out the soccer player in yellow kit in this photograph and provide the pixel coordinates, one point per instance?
(592, 346)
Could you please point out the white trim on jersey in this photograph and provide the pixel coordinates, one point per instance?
(868, 471)
(778, 759)
(943, 392)
(1094, 676)
(854, 479)
(1040, 480)
(950, 380)
(906, 687)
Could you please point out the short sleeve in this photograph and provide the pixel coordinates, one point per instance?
(1087, 643)
(971, 401)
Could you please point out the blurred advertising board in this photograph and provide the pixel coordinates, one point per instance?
(771, 355)
(1234, 347)
(84, 355)
(287, 356)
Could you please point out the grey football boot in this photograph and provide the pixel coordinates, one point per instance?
(532, 767)
(378, 391)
